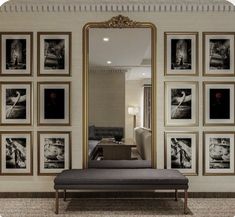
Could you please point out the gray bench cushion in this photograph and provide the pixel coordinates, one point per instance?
(120, 177)
(119, 164)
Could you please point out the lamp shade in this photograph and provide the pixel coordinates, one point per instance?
(231, 1)
(2, 2)
(133, 110)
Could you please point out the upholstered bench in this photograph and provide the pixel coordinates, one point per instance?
(121, 179)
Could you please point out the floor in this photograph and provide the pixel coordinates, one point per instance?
(148, 207)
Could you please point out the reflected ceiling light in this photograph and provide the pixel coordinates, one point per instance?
(143, 74)
(106, 39)
(2, 2)
(109, 62)
(231, 1)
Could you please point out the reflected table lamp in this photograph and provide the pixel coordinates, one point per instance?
(2, 2)
(231, 1)
(133, 110)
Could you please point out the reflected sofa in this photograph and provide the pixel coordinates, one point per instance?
(143, 137)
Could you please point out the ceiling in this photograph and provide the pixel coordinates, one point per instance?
(127, 49)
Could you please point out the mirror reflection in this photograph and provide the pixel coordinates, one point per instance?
(119, 91)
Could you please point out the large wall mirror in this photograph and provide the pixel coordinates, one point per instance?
(119, 94)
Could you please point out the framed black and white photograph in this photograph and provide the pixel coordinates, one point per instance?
(181, 103)
(54, 103)
(54, 152)
(219, 153)
(219, 103)
(218, 54)
(16, 53)
(16, 153)
(16, 102)
(181, 53)
(54, 57)
(181, 152)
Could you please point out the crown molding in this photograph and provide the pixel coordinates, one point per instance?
(17, 6)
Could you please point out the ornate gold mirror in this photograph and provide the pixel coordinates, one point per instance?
(119, 74)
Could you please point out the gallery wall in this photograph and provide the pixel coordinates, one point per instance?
(72, 19)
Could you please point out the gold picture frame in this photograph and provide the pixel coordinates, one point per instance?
(57, 153)
(218, 103)
(218, 54)
(181, 103)
(16, 103)
(54, 64)
(184, 62)
(186, 148)
(59, 92)
(20, 142)
(16, 63)
(218, 156)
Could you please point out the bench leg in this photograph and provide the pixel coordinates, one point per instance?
(65, 195)
(176, 194)
(56, 202)
(185, 201)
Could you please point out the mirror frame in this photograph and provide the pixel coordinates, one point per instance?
(117, 22)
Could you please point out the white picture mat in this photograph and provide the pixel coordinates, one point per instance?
(28, 153)
(207, 103)
(28, 103)
(193, 138)
(207, 143)
(28, 55)
(66, 55)
(177, 85)
(66, 151)
(193, 54)
(65, 87)
(207, 55)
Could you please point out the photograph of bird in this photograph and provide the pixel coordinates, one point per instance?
(14, 101)
(179, 101)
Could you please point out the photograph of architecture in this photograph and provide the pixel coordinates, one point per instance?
(117, 108)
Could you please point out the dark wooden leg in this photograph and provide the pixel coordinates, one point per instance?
(176, 194)
(56, 202)
(185, 201)
(65, 195)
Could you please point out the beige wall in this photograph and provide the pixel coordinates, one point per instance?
(74, 21)
(107, 98)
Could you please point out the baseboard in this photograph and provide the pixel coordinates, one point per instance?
(116, 194)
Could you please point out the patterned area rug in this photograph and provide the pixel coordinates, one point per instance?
(86, 207)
